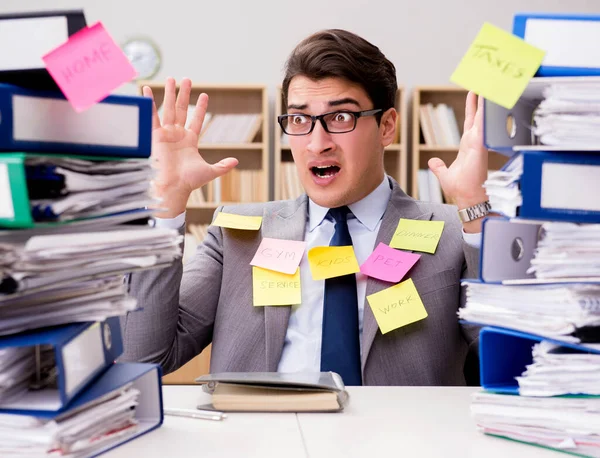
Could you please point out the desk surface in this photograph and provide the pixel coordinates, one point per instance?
(379, 421)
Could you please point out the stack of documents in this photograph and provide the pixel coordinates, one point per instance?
(568, 312)
(503, 190)
(567, 250)
(569, 115)
(558, 370)
(63, 189)
(56, 279)
(74, 433)
(570, 424)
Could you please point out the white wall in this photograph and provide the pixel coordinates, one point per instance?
(249, 40)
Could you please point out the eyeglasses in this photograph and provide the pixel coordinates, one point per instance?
(334, 122)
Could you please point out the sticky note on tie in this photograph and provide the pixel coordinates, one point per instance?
(417, 235)
(280, 255)
(233, 221)
(275, 288)
(397, 306)
(388, 264)
(332, 261)
(498, 66)
(88, 67)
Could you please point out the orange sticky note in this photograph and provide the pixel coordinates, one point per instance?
(417, 235)
(275, 288)
(332, 261)
(88, 67)
(498, 66)
(233, 221)
(280, 255)
(397, 306)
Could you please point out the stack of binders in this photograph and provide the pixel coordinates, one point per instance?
(75, 220)
(538, 295)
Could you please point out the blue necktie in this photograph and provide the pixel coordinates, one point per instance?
(340, 344)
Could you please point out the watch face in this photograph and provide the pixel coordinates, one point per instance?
(144, 57)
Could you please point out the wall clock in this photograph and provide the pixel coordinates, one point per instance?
(144, 55)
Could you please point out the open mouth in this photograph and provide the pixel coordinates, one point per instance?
(325, 171)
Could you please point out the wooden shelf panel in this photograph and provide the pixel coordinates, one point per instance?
(231, 146)
(426, 148)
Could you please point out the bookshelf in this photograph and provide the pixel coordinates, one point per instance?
(286, 182)
(238, 126)
(437, 130)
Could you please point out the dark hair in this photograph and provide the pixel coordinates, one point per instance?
(341, 54)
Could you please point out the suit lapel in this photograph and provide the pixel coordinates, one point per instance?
(288, 223)
(400, 206)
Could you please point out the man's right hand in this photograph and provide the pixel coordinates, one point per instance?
(180, 167)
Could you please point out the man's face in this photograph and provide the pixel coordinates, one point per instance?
(338, 169)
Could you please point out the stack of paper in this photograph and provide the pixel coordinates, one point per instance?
(502, 188)
(63, 189)
(558, 370)
(561, 311)
(56, 279)
(571, 424)
(569, 115)
(73, 434)
(567, 250)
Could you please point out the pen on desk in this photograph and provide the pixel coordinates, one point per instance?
(196, 413)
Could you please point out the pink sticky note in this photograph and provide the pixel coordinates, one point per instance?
(88, 67)
(280, 255)
(388, 264)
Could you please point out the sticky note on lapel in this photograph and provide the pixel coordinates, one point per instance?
(332, 261)
(280, 255)
(275, 288)
(417, 235)
(388, 264)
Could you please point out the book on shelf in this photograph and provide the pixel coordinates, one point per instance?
(291, 188)
(438, 125)
(231, 128)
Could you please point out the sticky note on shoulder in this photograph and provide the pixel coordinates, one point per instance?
(88, 67)
(397, 306)
(417, 235)
(233, 221)
(498, 66)
(332, 261)
(275, 288)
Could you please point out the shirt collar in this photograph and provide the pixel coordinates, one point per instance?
(369, 210)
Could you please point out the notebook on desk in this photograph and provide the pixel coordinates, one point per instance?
(276, 392)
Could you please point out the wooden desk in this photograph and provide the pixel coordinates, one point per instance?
(379, 421)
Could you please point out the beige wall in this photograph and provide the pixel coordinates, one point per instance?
(248, 40)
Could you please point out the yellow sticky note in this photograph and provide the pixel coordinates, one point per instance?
(397, 306)
(231, 221)
(275, 288)
(417, 235)
(332, 261)
(498, 66)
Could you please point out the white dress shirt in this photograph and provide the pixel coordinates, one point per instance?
(302, 345)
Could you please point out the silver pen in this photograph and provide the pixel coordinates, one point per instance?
(196, 413)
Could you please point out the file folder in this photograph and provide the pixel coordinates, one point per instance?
(36, 34)
(507, 247)
(15, 206)
(504, 140)
(36, 120)
(81, 352)
(505, 353)
(570, 41)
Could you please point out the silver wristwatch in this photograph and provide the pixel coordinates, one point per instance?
(476, 211)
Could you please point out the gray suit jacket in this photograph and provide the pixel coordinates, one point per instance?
(212, 302)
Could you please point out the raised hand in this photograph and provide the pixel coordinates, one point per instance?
(462, 182)
(180, 167)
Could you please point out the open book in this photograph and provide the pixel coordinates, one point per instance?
(275, 391)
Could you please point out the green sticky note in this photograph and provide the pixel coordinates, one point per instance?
(498, 66)
(417, 235)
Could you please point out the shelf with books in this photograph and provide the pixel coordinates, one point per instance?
(236, 125)
(286, 182)
(438, 118)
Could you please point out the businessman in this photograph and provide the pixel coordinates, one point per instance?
(339, 93)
